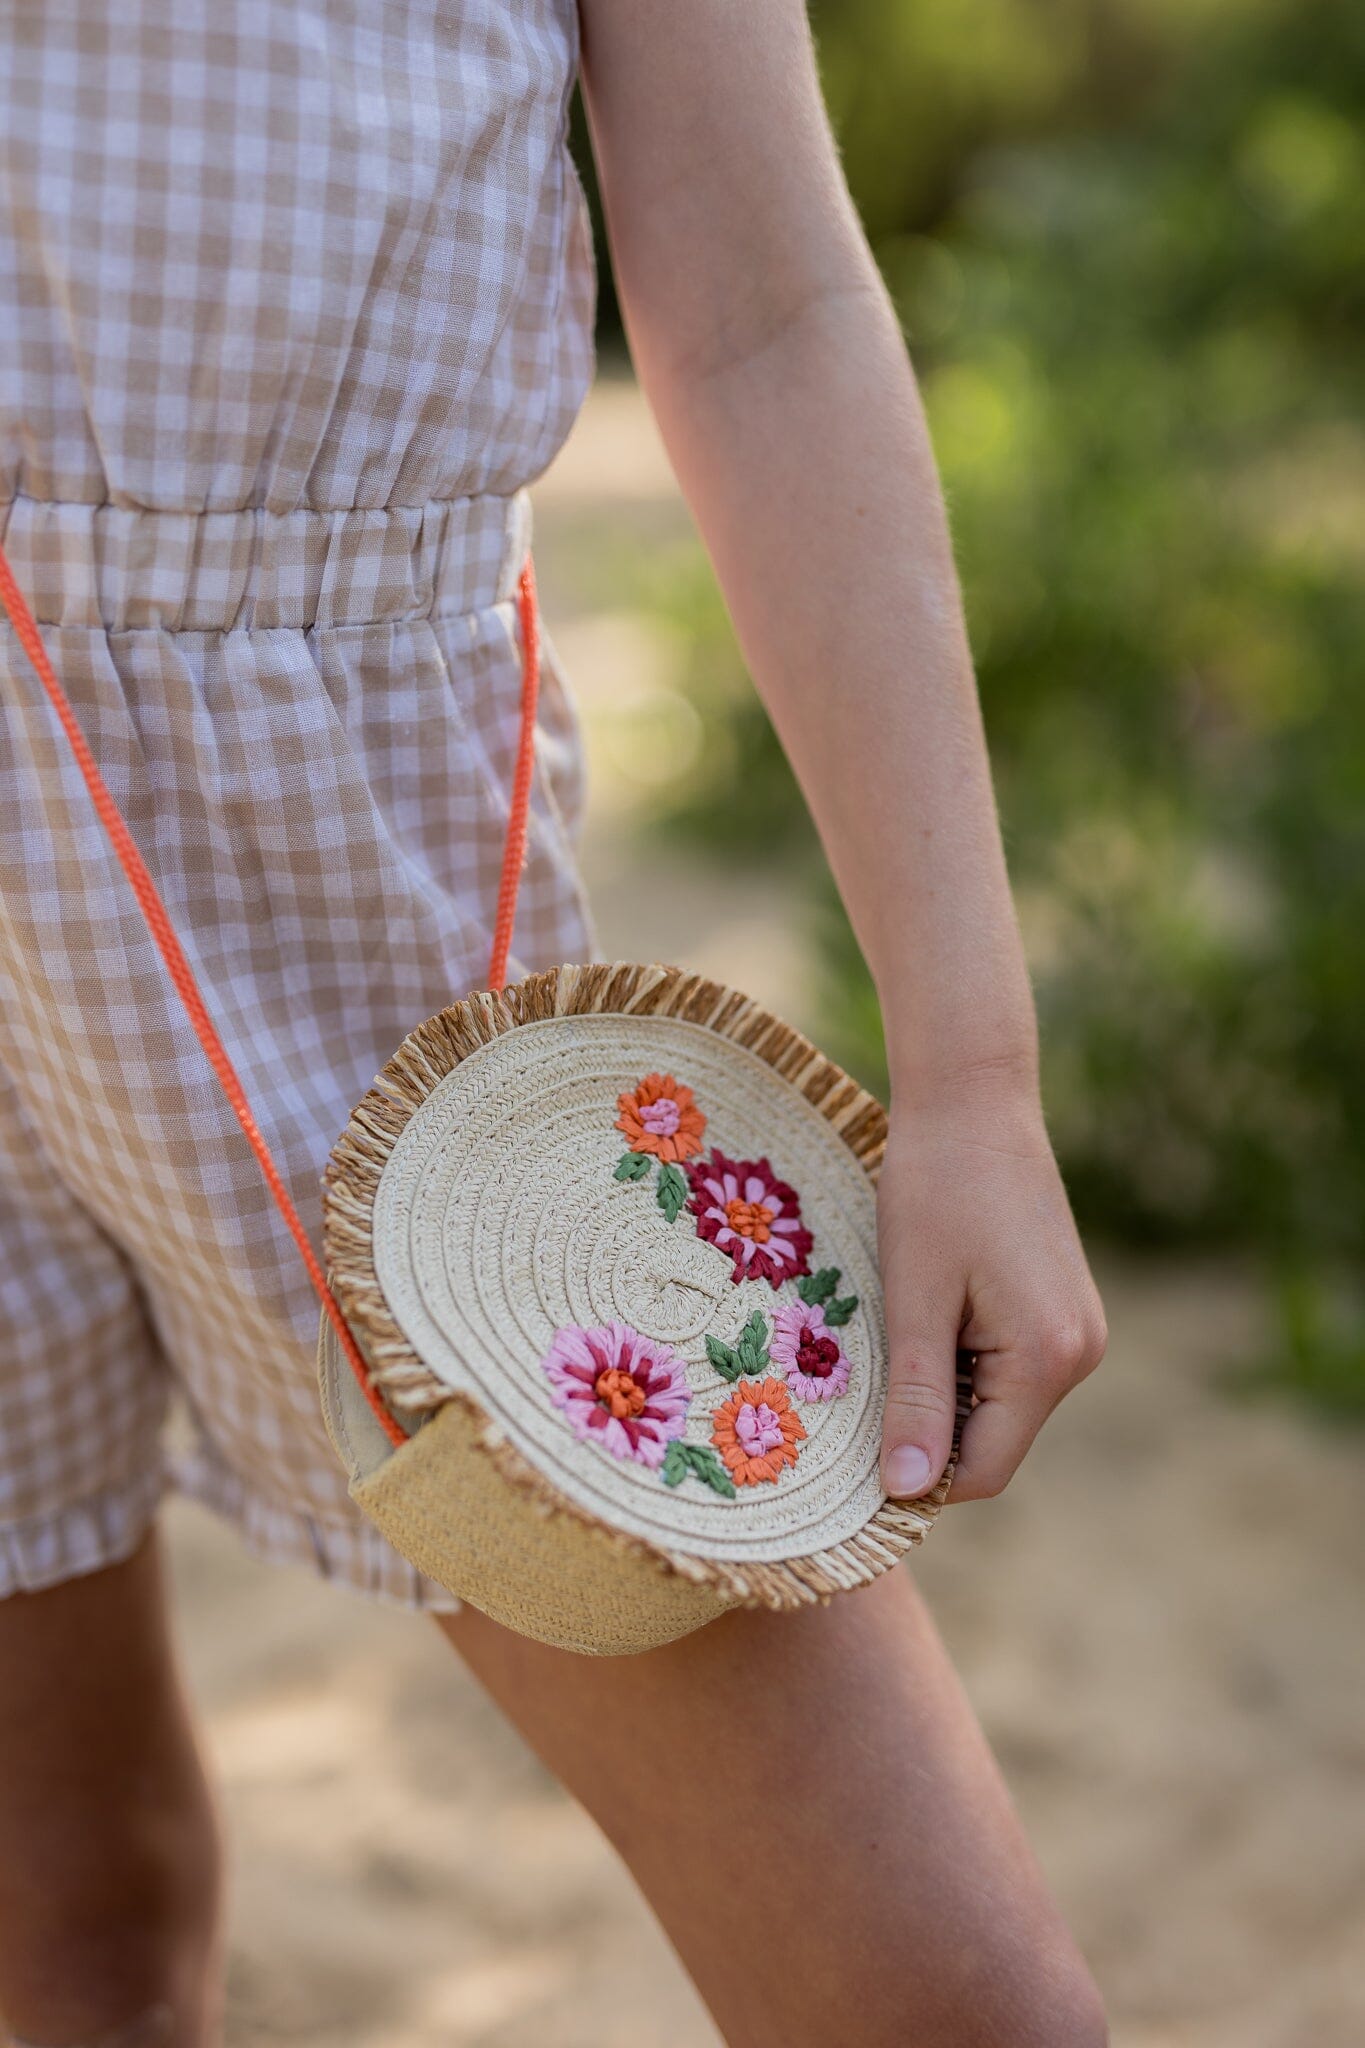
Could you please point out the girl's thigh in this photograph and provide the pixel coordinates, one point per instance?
(812, 1811)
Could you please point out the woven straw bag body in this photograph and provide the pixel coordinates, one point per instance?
(602, 1345)
(607, 1240)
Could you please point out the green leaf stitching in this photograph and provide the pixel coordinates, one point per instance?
(701, 1461)
(753, 1344)
(676, 1464)
(814, 1288)
(726, 1361)
(839, 1311)
(672, 1191)
(633, 1166)
(708, 1466)
(750, 1355)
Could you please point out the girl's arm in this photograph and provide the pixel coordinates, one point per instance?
(775, 365)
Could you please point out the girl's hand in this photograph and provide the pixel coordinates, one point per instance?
(979, 1252)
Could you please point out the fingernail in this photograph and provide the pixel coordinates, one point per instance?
(905, 1471)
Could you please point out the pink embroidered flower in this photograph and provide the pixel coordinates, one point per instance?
(619, 1389)
(661, 1116)
(816, 1364)
(744, 1210)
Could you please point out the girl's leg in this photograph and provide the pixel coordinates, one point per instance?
(809, 1806)
(108, 1843)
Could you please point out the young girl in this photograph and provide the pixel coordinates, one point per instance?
(297, 297)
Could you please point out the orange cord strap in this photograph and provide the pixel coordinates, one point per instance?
(178, 967)
(518, 816)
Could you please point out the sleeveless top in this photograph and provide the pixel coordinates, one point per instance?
(287, 254)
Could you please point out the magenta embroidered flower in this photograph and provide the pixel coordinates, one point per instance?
(744, 1210)
(816, 1364)
(619, 1389)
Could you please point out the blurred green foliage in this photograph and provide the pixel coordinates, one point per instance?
(1127, 242)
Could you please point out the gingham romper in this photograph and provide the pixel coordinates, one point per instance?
(295, 298)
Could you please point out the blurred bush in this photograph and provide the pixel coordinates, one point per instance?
(1127, 244)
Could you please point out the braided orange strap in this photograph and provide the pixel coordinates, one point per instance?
(178, 967)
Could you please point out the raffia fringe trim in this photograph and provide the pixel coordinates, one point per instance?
(432, 1051)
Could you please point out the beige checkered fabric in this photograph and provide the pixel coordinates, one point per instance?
(297, 297)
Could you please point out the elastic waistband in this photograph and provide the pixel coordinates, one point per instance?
(120, 569)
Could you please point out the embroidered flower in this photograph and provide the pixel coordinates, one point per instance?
(817, 1366)
(756, 1432)
(661, 1117)
(744, 1210)
(619, 1389)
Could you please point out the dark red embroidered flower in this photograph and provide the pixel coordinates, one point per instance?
(744, 1210)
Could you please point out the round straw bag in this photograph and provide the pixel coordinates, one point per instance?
(607, 1241)
(602, 1345)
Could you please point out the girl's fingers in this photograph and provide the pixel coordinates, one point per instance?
(921, 1396)
(1014, 1399)
(995, 1437)
(978, 1251)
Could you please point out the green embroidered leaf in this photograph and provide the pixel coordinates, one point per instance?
(633, 1166)
(753, 1344)
(750, 1355)
(701, 1461)
(839, 1311)
(814, 1288)
(672, 1191)
(726, 1361)
(708, 1466)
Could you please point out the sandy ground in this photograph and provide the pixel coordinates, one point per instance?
(1159, 1624)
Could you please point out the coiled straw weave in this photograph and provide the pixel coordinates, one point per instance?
(471, 1208)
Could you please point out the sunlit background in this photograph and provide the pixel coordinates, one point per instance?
(1127, 242)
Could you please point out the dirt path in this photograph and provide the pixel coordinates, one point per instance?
(1160, 1624)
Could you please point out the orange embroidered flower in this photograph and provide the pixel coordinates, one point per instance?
(661, 1117)
(757, 1431)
